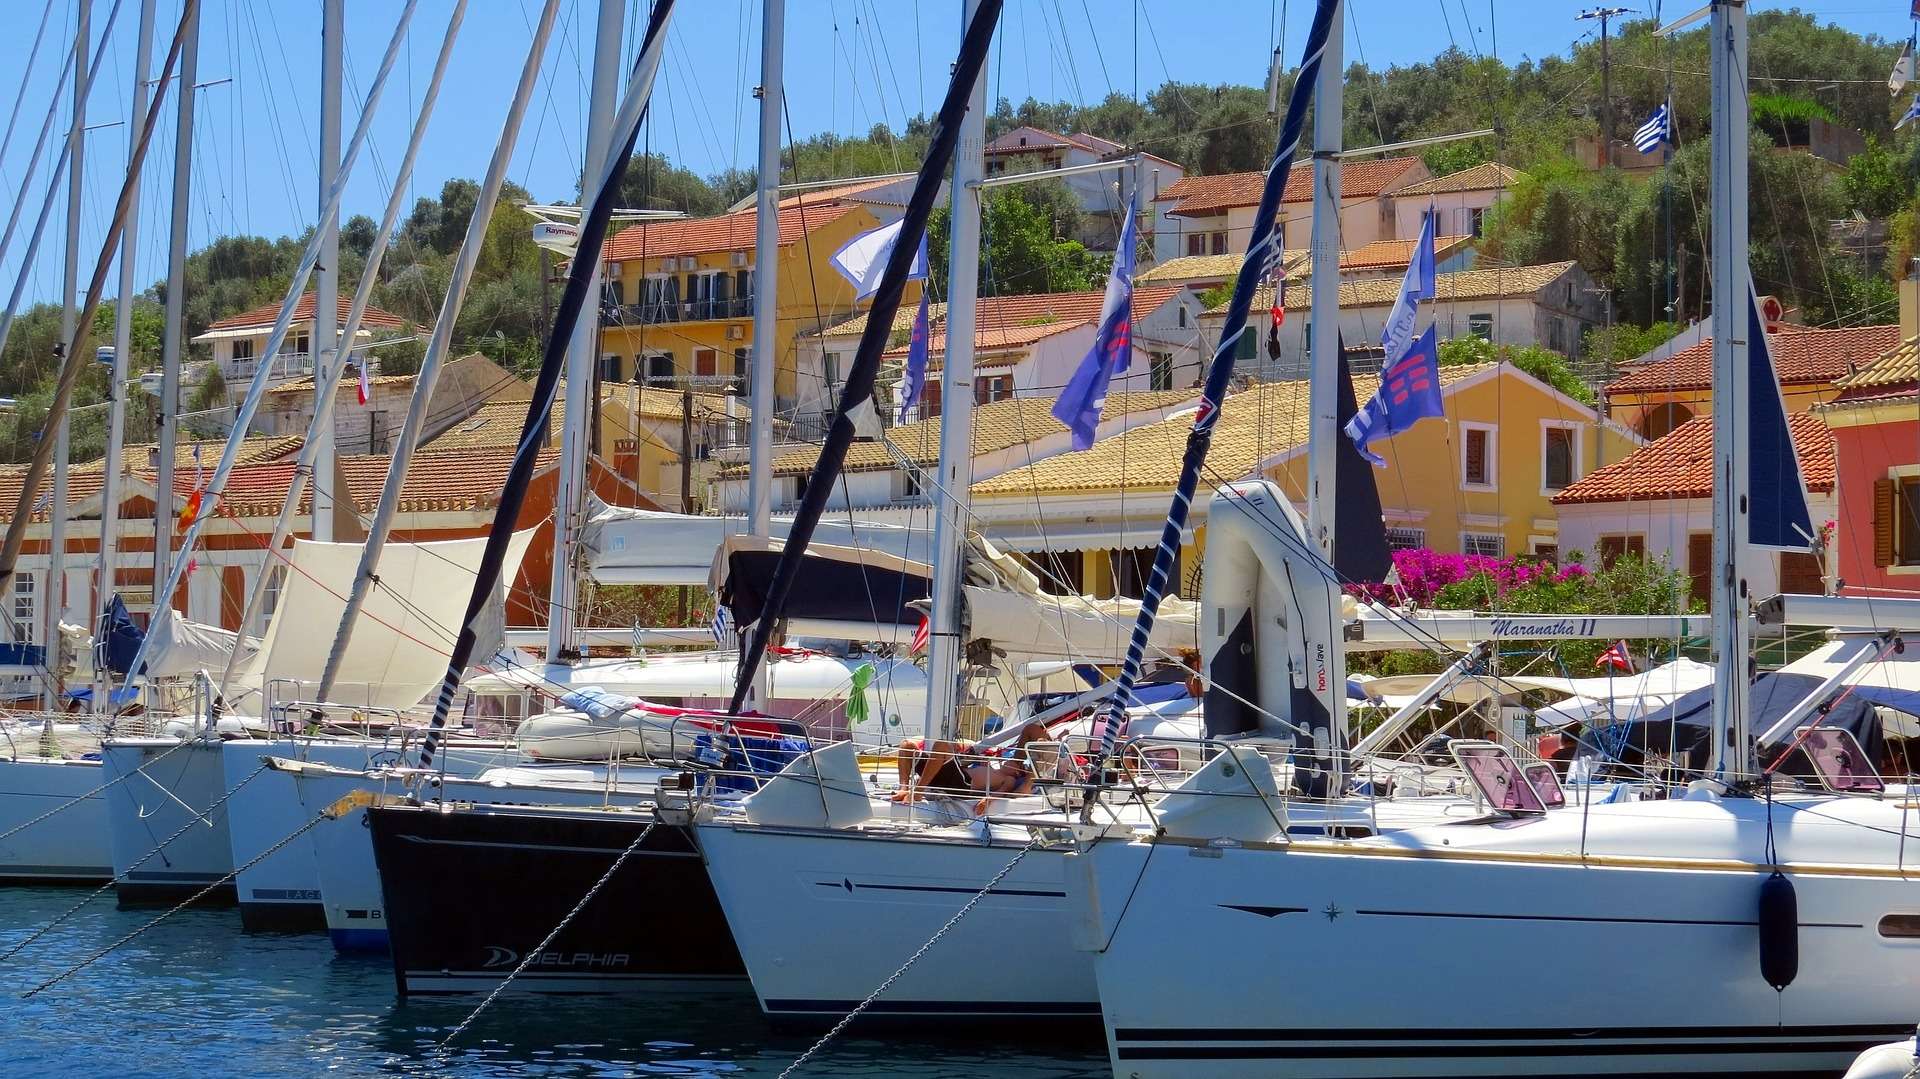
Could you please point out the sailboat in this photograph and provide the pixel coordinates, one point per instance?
(1754, 924)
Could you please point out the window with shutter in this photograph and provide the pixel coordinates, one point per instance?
(1801, 573)
(1906, 521)
(1883, 511)
(1700, 566)
(1476, 456)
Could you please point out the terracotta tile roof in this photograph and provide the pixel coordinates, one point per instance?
(1894, 373)
(1397, 254)
(1503, 282)
(997, 425)
(1010, 322)
(1486, 176)
(264, 316)
(727, 232)
(1012, 142)
(1680, 465)
(303, 386)
(1192, 268)
(253, 449)
(436, 482)
(1255, 424)
(81, 485)
(1359, 179)
(820, 196)
(1800, 357)
(496, 424)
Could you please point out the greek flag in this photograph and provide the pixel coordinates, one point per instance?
(1086, 392)
(722, 627)
(1913, 113)
(1657, 131)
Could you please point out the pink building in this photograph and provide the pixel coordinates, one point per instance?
(1876, 431)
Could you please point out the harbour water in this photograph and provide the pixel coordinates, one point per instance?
(194, 997)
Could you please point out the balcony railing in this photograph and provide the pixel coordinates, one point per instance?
(285, 365)
(642, 314)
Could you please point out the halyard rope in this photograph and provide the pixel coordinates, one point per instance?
(802, 1059)
(182, 905)
(541, 948)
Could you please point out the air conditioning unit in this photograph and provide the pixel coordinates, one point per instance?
(739, 258)
(736, 333)
(688, 262)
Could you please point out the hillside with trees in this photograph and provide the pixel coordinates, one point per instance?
(1617, 226)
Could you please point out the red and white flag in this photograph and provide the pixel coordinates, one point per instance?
(1615, 657)
(920, 638)
(365, 388)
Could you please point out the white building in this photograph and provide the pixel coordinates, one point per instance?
(1213, 215)
(1033, 149)
(1462, 199)
(1551, 305)
(239, 342)
(1023, 346)
(1658, 502)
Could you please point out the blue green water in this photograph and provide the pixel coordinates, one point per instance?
(194, 998)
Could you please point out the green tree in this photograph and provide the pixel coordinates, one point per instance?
(1877, 182)
(1542, 363)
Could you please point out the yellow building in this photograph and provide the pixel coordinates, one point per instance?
(1481, 480)
(683, 291)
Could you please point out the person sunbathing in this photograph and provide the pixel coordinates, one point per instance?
(959, 768)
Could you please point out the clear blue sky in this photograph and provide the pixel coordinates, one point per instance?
(850, 64)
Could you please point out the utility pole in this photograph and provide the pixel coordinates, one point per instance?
(1605, 15)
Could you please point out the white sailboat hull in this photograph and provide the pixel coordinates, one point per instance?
(282, 891)
(159, 786)
(1419, 955)
(72, 845)
(821, 918)
(349, 881)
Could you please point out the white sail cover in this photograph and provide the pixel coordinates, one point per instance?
(406, 630)
(633, 546)
(177, 646)
(1006, 605)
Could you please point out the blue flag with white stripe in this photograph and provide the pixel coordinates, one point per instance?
(1657, 131)
(1416, 285)
(1912, 114)
(1085, 394)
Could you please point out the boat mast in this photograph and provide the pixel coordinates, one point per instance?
(952, 493)
(428, 377)
(174, 331)
(1731, 757)
(329, 383)
(857, 391)
(575, 436)
(1327, 669)
(596, 208)
(766, 296)
(325, 342)
(56, 592)
(117, 381)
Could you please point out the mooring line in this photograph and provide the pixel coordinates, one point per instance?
(70, 803)
(143, 859)
(540, 948)
(183, 904)
(911, 960)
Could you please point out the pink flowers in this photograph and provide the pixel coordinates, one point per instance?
(1425, 573)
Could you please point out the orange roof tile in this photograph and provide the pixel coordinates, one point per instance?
(1004, 322)
(1680, 465)
(264, 316)
(1800, 357)
(727, 232)
(1013, 142)
(1486, 176)
(1360, 179)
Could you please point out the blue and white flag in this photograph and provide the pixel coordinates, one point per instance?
(1409, 392)
(1657, 131)
(913, 381)
(1112, 352)
(1397, 335)
(1913, 113)
(865, 257)
(722, 627)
